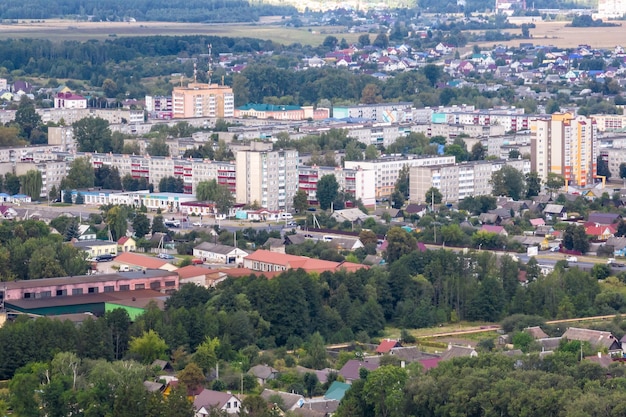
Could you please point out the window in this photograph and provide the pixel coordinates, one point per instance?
(77, 291)
(155, 285)
(109, 288)
(45, 294)
(228, 405)
(60, 293)
(124, 287)
(140, 286)
(92, 290)
(170, 283)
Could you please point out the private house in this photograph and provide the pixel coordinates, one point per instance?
(498, 230)
(536, 332)
(266, 261)
(20, 198)
(336, 391)
(7, 213)
(209, 400)
(86, 232)
(290, 401)
(137, 261)
(94, 248)
(455, 351)
(347, 243)
(600, 232)
(618, 244)
(555, 212)
(350, 371)
(537, 222)
(596, 338)
(263, 373)
(353, 215)
(604, 218)
(126, 244)
(221, 254)
(386, 345)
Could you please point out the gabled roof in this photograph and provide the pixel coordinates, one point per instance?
(336, 391)
(554, 209)
(386, 345)
(193, 271)
(430, 363)
(215, 248)
(212, 399)
(594, 337)
(536, 332)
(604, 218)
(350, 371)
(123, 240)
(289, 400)
(295, 262)
(492, 229)
(537, 222)
(262, 371)
(457, 352)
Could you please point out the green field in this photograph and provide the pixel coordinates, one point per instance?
(58, 30)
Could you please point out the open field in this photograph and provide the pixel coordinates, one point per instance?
(59, 30)
(557, 34)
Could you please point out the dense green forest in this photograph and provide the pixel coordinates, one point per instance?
(141, 10)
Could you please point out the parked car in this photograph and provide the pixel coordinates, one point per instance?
(104, 257)
(197, 261)
(165, 256)
(571, 259)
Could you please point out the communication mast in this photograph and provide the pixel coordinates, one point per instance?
(209, 73)
(195, 72)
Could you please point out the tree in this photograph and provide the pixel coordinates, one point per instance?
(384, 390)
(399, 243)
(327, 191)
(192, 376)
(433, 195)
(330, 42)
(110, 88)
(158, 225)
(171, 185)
(53, 194)
(80, 199)
(67, 197)
(206, 354)
(364, 39)
(602, 167)
(353, 152)
(622, 170)
(300, 201)
(116, 220)
(371, 153)
(432, 73)
(397, 199)
(27, 117)
(371, 94)
(554, 182)
(11, 183)
(514, 154)
(93, 135)
(217, 193)
(508, 181)
(107, 177)
(149, 346)
(81, 174)
(141, 225)
(158, 147)
(381, 41)
(533, 184)
(478, 152)
(575, 238)
(31, 183)
(316, 351)
(402, 184)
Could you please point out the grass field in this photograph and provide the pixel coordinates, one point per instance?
(71, 30)
(557, 34)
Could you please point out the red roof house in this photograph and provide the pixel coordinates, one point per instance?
(386, 345)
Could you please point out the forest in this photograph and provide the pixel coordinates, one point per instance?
(205, 11)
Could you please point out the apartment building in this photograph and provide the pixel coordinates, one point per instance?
(387, 169)
(52, 173)
(62, 136)
(192, 171)
(380, 112)
(609, 122)
(355, 182)
(458, 181)
(203, 100)
(269, 178)
(565, 145)
(69, 100)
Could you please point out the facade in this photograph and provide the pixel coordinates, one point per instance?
(387, 169)
(94, 248)
(277, 112)
(69, 100)
(52, 173)
(382, 112)
(457, 181)
(207, 401)
(355, 182)
(163, 281)
(269, 178)
(267, 261)
(216, 253)
(203, 100)
(565, 145)
(611, 9)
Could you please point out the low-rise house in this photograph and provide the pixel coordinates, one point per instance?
(209, 400)
(347, 243)
(217, 253)
(202, 277)
(455, 351)
(264, 260)
(596, 338)
(263, 373)
(604, 218)
(94, 248)
(274, 244)
(350, 371)
(353, 215)
(126, 244)
(386, 345)
(618, 244)
(536, 332)
(7, 213)
(290, 401)
(498, 230)
(600, 232)
(555, 212)
(336, 391)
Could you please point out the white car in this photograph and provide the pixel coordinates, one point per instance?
(197, 223)
(571, 259)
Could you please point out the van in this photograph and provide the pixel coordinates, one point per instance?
(124, 268)
(286, 216)
(327, 238)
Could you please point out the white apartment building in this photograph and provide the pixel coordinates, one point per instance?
(458, 181)
(269, 178)
(381, 112)
(387, 169)
(565, 145)
(52, 172)
(355, 182)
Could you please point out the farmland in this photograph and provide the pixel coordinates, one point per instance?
(60, 30)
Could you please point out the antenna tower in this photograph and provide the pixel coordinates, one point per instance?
(210, 71)
(195, 72)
